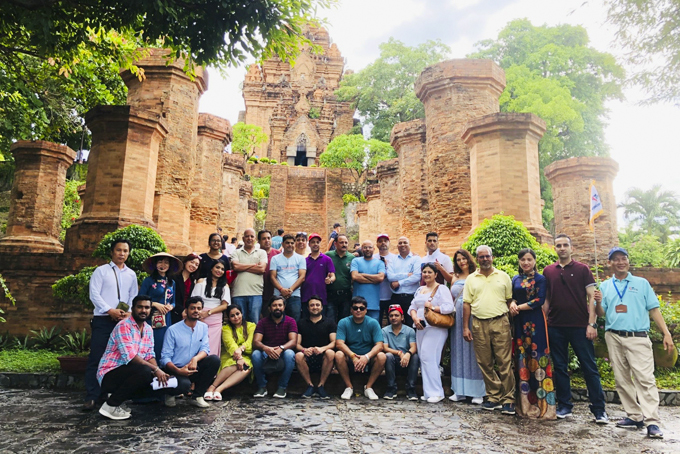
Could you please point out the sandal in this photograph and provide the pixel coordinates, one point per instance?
(209, 396)
(217, 396)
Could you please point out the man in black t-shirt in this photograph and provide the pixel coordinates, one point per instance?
(315, 348)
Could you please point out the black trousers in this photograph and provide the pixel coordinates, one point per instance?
(203, 378)
(102, 326)
(342, 300)
(403, 300)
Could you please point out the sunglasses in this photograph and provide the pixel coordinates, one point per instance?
(359, 308)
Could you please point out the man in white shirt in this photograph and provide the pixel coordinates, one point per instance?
(113, 286)
(442, 261)
(250, 263)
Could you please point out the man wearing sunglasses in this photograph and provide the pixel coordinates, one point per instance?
(570, 307)
(359, 344)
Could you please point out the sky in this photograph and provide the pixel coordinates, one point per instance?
(644, 140)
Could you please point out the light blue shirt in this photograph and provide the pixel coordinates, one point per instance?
(398, 270)
(385, 289)
(181, 343)
(103, 292)
(287, 270)
(639, 298)
(371, 292)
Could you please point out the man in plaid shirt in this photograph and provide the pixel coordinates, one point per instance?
(128, 364)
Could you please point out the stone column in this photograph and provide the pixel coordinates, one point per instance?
(214, 133)
(334, 203)
(362, 220)
(570, 180)
(408, 140)
(37, 197)
(167, 90)
(505, 177)
(390, 200)
(233, 166)
(373, 205)
(245, 195)
(453, 93)
(121, 174)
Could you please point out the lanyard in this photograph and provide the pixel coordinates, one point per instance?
(621, 294)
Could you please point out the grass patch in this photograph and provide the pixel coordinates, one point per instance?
(29, 361)
(665, 379)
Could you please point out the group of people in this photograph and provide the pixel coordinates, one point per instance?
(197, 327)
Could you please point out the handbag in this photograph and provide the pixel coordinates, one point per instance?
(435, 318)
(159, 320)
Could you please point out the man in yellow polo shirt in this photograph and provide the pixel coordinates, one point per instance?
(486, 296)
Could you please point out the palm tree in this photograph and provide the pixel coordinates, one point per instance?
(654, 211)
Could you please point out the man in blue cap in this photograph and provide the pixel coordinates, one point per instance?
(628, 302)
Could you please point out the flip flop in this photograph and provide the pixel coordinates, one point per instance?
(217, 396)
(209, 396)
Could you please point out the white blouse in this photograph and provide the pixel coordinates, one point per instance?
(211, 302)
(442, 298)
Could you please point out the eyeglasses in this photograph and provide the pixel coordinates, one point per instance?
(359, 308)
(483, 257)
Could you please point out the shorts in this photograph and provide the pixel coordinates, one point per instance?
(314, 362)
(367, 369)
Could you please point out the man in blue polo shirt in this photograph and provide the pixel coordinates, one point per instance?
(367, 274)
(627, 302)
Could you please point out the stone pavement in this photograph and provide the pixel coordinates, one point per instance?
(39, 421)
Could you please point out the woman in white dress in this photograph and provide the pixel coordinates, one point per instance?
(430, 339)
(216, 297)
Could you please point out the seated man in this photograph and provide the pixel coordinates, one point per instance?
(273, 343)
(359, 342)
(315, 344)
(400, 351)
(128, 365)
(186, 355)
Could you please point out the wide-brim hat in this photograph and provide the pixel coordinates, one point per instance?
(149, 264)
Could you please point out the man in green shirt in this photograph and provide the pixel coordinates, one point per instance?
(340, 292)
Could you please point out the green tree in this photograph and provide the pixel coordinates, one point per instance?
(359, 155)
(649, 31)
(554, 73)
(654, 211)
(383, 91)
(646, 250)
(247, 138)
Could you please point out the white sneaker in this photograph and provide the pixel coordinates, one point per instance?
(423, 398)
(456, 398)
(113, 412)
(170, 401)
(368, 392)
(199, 402)
(347, 394)
(435, 399)
(477, 400)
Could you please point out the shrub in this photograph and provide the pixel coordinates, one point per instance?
(284, 163)
(77, 342)
(273, 161)
(46, 339)
(671, 315)
(71, 209)
(646, 250)
(29, 361)
(349, 198)
(264, 160)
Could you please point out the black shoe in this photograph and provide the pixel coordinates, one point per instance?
(88, 405)
(389, 395)
(411, 394)
(602, 418)
(491, 406)
(508, 409)
(321, 391)
(309, 392)
(564, 412)
(653, 431)
(628, 423)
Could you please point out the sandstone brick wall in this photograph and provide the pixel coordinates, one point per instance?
(390, 201)
(121, 174)
(504, 169)
(229, 207)
(570, 180)
(169, 91)
(214, 133)
(370, 226)
(453, 93)
(34, 219)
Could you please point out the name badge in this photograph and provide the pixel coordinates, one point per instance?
(621, 309)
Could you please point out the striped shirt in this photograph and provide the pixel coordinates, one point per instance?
(125, 343)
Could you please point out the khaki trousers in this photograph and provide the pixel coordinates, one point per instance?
(492, 340)
(633, 363)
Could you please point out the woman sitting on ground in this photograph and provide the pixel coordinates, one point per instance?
(237, 346)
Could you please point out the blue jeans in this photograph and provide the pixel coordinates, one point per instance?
(285, 365)
(102, 326)
(393, 366)
(330, 311)
(251, 305)
(374, 314)
(560, 338)
(294, 308)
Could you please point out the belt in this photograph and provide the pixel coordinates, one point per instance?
(492, 318)
(628, 333)
(339, 292)
(403, 295)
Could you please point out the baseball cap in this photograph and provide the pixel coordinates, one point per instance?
(614, 250)
(383, 235)
(314, 235)
(395, 307)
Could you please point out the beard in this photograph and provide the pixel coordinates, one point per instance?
(139, 318)
(277, 314)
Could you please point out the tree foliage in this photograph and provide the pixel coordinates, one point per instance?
(645, 250)
(506, 237)
(247, 138)
(650, 33)
(383, 91)
(71, 209)
(654, 211)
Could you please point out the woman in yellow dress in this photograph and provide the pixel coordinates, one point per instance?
(237, 346)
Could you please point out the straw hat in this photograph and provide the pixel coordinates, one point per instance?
(149, 264)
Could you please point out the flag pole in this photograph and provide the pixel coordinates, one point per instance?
(597, 271)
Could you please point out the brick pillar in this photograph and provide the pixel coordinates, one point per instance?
(169, 91)
(334, 204)
(453, 93)
(245, 195)
(362, 220)
(278, 193)
(37, 198)
(121, 174)
(372, 219)
(214, 133)
(233, 166)
(390, 200)
(408, 140)
(505, 177)
(570, 180)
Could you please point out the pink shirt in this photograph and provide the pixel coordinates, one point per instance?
(125, 343)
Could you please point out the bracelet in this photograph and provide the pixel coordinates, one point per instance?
(368, 358)
(155, 370)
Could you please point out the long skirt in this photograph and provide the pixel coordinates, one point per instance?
(466, 377)
(430, 342)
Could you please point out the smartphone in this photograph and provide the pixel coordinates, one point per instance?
(423, 322)
(246, 367)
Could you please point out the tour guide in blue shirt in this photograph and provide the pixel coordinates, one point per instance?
(627, 302)
(186, 354)
(404, 276)
(367, 274)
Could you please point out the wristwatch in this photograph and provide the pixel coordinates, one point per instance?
(593, 325)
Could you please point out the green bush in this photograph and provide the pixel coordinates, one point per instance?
(77, 342)
(261, 186)
(47, 338)
(646, 250)
(671, 315)
(29, 361)
(284, 163)
(349, 198)
(264, 160)
(273, 161)
(506, 237)
(71, 209)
